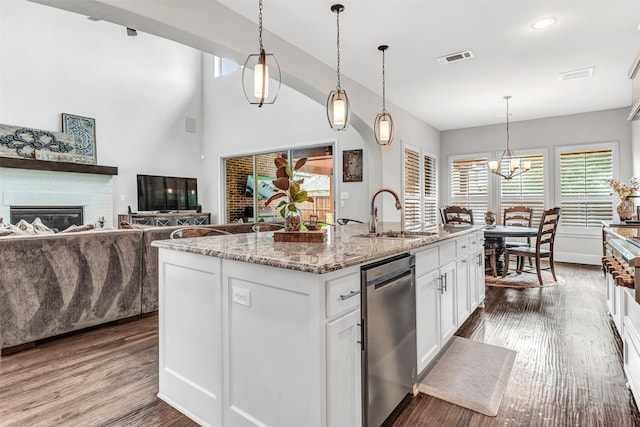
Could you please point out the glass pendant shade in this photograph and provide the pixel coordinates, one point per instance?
(338, 109)
(383, 128)
(261, 78)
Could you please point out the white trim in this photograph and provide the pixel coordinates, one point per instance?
(544, 151)
(577, 258)
(453, 157)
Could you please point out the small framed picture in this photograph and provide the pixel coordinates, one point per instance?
(84, 131)
(352, 165)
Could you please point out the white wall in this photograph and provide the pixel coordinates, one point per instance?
(139, 90)
(600, 126)
(234, 127)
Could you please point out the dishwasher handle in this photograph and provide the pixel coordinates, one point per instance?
(392, 278)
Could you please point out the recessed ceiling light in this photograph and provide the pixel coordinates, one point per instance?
(543, 23)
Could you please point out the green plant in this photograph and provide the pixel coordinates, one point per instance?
(288, 186)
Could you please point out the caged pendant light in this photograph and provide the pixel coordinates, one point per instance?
(516, 166)
(264, 65)
(383, 126)
(337, 103)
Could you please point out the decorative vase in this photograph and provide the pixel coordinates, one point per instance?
(490, 219)
(625, 209)
(292, 221)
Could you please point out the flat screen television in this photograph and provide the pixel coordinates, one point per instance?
(265, 187)
(167, 193)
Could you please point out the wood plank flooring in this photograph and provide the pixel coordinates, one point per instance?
(568, 371)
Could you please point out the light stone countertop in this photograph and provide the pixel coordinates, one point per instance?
(342, 247)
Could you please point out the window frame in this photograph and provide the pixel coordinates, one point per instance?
(422, 198)
(478, 216)
(614, 146)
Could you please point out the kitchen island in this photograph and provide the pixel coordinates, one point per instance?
(257, 332)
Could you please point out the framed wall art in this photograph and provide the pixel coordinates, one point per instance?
(84, 131)
(352, 165)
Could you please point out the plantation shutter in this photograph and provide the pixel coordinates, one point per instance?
(412, 188)
(470, 185)
(526, 189)
(430, 191)
(585, 195)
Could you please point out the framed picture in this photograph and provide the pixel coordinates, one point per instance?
(352, 165)
(84, 131)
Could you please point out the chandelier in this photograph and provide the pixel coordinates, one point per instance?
(514, 165)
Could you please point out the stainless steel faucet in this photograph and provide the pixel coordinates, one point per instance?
(373, 219)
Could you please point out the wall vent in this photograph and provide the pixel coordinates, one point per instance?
(455, 57)
(577, 74)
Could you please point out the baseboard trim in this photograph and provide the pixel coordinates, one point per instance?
(576, 258)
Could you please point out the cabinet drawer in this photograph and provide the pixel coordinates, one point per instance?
(426, 261)
(447, 252)
(342, 293)
(464, 245)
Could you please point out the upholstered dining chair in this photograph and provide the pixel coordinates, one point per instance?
(457, 215)
(546, 236)
(188, 232)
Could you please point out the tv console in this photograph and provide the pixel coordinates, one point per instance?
(166, 219)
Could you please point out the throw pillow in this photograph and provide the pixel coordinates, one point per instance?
(75, 228)
(26, 227)
(128, 225)
(40, 228)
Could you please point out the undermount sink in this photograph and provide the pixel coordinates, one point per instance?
(397, 235)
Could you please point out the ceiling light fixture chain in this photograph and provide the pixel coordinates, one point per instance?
(384, 108)
(338, 10)
(260, 25)
(507, 99)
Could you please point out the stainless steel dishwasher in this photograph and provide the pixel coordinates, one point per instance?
(389, 332)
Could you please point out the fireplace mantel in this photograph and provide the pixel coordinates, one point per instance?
(15, 163)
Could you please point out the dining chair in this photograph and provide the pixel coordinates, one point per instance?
(457, 215)
(188, 232)
(518, 216)
(546, 236)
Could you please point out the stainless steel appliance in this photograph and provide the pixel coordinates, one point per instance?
(389, 332)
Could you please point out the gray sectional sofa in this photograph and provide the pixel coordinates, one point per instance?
(57, 283)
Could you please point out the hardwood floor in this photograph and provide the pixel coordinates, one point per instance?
(568, 371)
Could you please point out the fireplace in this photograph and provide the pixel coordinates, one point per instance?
(55, 217)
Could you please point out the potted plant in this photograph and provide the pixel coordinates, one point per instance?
(289, 188)
(625, 208)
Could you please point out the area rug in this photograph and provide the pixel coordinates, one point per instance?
(471, 374)
(523, 280)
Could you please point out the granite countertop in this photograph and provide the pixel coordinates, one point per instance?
(342, 247)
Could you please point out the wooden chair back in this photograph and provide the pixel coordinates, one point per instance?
(188, 232)
(457, 215)
(519, 216)
(547, 229)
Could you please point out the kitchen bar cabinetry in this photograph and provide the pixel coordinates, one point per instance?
(277, 342)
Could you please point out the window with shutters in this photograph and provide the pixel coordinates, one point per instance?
(527, 189)
(583, 193)
(420, 188)
(469, 184)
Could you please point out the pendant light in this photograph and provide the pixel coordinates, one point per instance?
(337, 103)
(516, 166)
(383, 126)
(264, 65)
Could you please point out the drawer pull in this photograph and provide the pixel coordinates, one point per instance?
(464, 246)
(349, 295)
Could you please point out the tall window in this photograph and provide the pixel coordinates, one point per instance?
(584, 196)
(420, 188)
(527, 189)
(469, 184)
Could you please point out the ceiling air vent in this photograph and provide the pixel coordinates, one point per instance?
(454, 57)
(577, 74)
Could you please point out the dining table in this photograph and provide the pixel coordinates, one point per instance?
(496, 236)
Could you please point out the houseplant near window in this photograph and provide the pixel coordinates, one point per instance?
(289, 189)
(625, 208)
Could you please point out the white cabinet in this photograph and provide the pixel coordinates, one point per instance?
(448, 318)
(462, 289)
(427, 317)
(344, 401)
